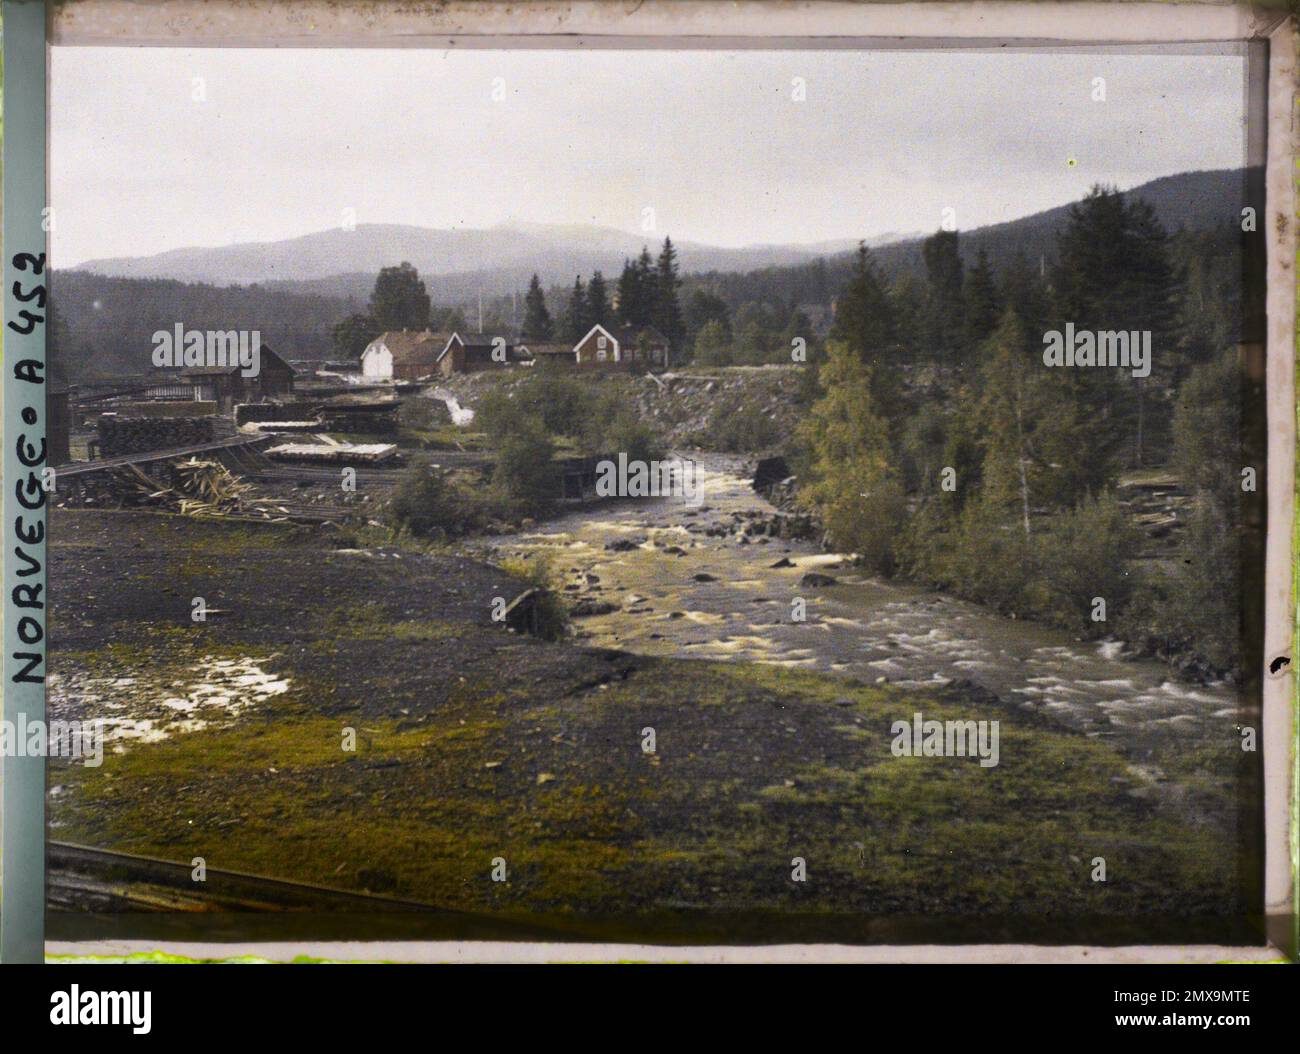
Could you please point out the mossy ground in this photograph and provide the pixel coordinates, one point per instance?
(532, 752)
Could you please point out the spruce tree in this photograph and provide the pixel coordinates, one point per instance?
(864, 322)
(638, 291)
(667, 316)
(599, 312)
(1114, 274)
(537, 320)
(946, 328)
(574, 325)
(983, 302)
(629, 292)
(1023, 290)
(1032, 453)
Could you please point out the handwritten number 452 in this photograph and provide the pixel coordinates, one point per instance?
(26, 320)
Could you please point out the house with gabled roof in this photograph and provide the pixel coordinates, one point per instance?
(469, 352)
(403, 355)
(227, 385)
(644, 346)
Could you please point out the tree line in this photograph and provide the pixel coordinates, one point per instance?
(646, 294)
(938, 445)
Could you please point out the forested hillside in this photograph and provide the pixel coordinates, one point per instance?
(104, 324)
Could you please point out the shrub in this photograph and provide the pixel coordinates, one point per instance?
(525, 471)
(1084, 553)
(564, 405)
(1196, 609)
(537, 573)
(625, 434)
(423, 414)
(427, 501)
(736, 428)
(988, 558)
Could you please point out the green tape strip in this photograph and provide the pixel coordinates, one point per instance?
(22, 779)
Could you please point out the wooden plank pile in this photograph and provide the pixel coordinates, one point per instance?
(134, 435)
(196, 488)
(333, 453)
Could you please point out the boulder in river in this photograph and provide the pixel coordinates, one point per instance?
(586, 608)
(816, 578)
(623, 545)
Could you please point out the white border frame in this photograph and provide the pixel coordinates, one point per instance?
(718, 24)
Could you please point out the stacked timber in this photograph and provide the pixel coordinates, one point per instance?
(334, 453)
(138, 435)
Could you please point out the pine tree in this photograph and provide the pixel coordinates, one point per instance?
(1114, 274)
(599, 312)
(946, 328)
(983, 302)
(667, 317)
(574, 325)
(864, 321)
(537, 320)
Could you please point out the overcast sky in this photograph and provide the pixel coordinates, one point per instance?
(285, 140)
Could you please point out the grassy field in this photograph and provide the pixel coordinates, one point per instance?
(473, 745)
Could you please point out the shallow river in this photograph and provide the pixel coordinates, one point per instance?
(863, 627)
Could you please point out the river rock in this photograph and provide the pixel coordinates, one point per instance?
(816, 578)
(587, 608)
(623, 545)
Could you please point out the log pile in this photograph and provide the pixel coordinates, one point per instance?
(137, 435)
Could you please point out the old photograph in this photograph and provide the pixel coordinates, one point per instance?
(656, 494)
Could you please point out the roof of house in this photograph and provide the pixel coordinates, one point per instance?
(483, 340)
(629, 335)
(411, 347)
(264, 355)
(476, 340)
(546, 348)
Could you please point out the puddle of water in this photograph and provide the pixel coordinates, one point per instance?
(157, 705)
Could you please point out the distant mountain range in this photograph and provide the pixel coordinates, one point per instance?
(294, 291)
(459, 264)
(456, 263)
